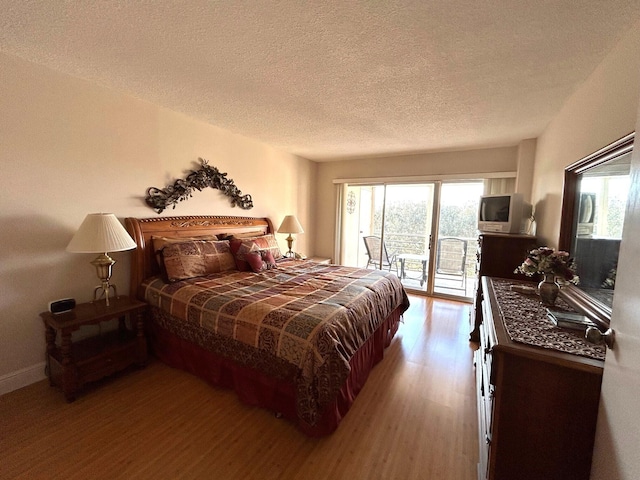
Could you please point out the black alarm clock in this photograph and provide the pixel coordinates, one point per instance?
(61, 306)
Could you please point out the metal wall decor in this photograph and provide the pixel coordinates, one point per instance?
(182, 189)
(351, 202)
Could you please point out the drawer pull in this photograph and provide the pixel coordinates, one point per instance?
(594, 335)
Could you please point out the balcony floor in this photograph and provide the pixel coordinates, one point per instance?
(443, 285)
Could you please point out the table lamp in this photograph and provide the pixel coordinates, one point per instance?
(290, 225)
(101, 233)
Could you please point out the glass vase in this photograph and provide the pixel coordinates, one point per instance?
(548, 289)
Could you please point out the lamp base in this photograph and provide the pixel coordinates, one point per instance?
(104, 292)
(103, 264)
(290, 253)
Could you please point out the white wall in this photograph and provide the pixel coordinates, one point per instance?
(601, 110)
(68, 148)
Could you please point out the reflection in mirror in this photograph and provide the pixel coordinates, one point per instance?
(602, 198)
(594, 203)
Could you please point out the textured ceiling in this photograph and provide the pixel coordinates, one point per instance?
(333, 79)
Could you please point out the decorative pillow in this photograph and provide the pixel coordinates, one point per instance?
(240, 247)
(160, 242)
(260, 260)
(196, 259)
(268, 258)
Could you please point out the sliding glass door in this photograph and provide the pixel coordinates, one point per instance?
(424, 232)
(389, 227)
(456, 243)
(408, 223)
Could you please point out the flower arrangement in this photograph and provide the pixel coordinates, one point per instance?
(548, 261)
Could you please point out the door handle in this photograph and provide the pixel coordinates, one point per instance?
(594, 335)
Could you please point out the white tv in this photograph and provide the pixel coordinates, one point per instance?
(503, 213)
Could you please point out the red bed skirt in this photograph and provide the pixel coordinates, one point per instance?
(256, 388)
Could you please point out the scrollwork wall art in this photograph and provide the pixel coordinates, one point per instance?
(182, 189)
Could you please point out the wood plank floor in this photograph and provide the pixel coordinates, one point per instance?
(414, 419)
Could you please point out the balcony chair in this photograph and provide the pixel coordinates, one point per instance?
(452, 259)
(372, 243)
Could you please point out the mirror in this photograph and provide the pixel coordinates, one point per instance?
(593, 207)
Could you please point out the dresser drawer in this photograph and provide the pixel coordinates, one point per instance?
(486, 388)
(486, 347)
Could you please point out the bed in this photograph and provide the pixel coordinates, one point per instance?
(294, 336)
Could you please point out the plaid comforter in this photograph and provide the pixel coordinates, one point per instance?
(303, 319)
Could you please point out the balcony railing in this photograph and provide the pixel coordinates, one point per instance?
(400, 243)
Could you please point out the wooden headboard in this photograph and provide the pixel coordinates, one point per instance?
(143, 262)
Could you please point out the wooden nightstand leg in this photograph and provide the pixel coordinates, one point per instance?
(141, 338)
(68, 369)
(50, 335)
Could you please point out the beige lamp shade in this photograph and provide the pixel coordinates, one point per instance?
(101, 233)
(290, 224)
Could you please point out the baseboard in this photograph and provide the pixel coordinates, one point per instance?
(21, 378)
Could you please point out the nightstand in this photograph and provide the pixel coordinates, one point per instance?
(72, 364)
(320, 260)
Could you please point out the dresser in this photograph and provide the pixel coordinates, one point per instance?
(498, 255)
(538, 389)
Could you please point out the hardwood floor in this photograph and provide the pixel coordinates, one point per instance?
(414, 419)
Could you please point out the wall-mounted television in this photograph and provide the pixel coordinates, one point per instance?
(504, 213)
